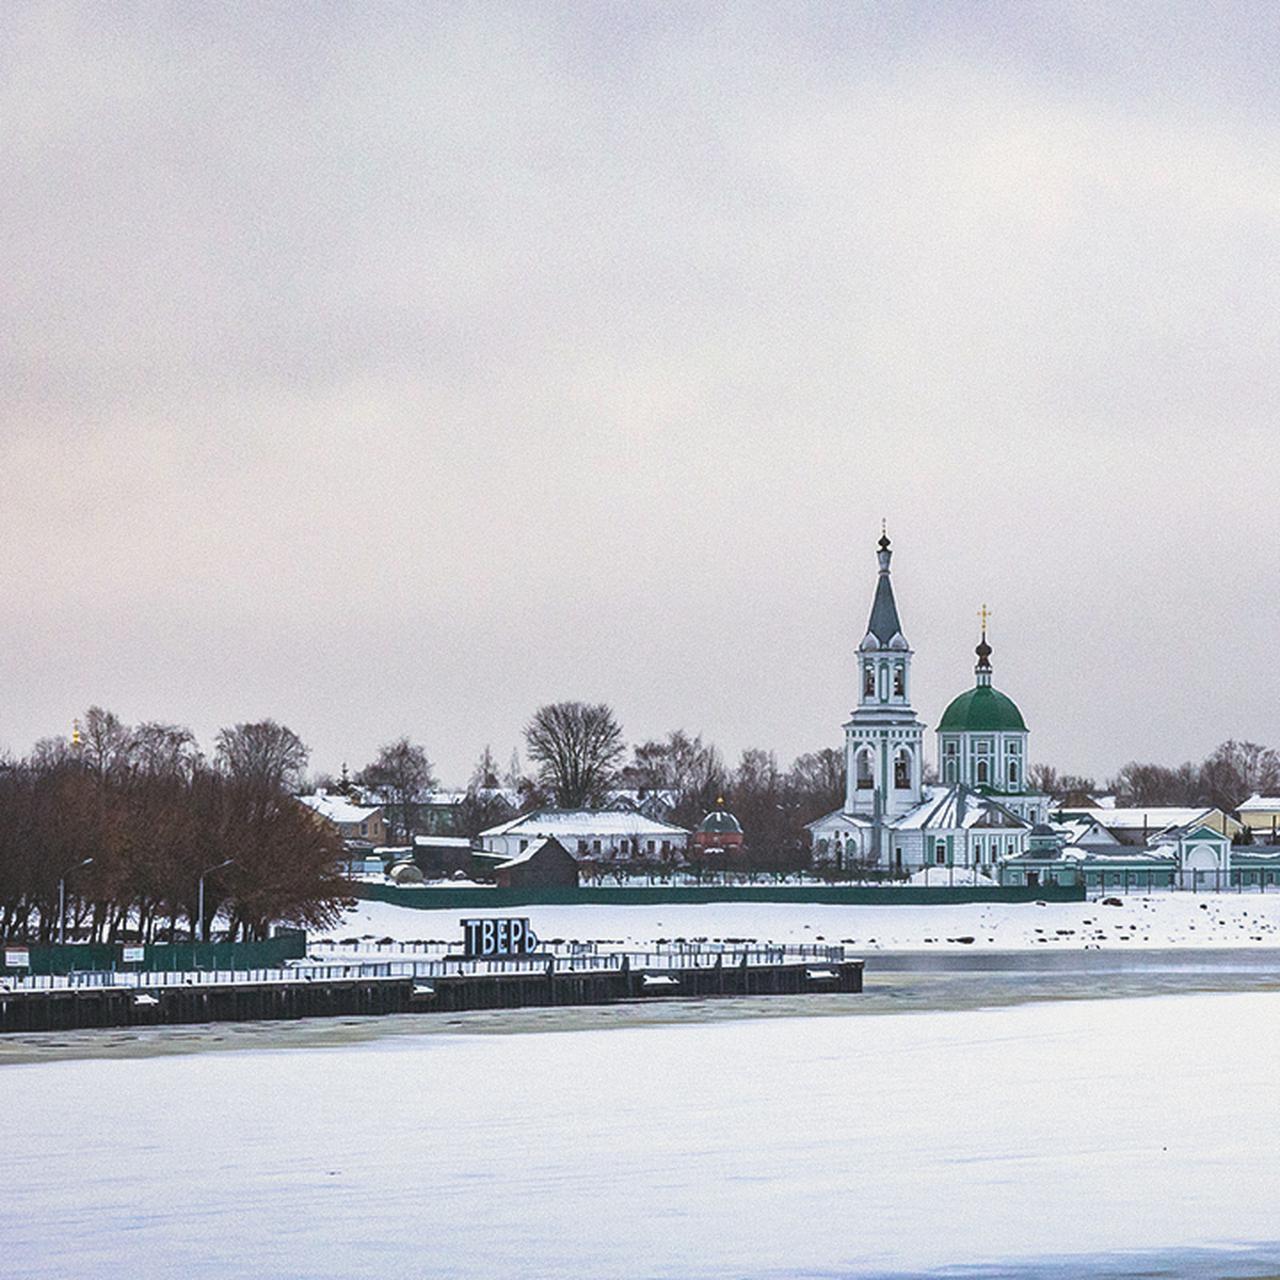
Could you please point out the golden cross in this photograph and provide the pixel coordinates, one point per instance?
(984, 613)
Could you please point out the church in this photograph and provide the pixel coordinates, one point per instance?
(981, 810)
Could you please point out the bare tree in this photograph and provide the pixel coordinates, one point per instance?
(402, 775)
(1238, 770)
(266, 753)
(576, 747)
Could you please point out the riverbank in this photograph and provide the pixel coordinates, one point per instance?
(1157, 921)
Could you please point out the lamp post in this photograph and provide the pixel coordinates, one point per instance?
(204, 931)
(62, 902)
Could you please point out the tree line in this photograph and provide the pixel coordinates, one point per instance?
(122, 825)
(1227, 777)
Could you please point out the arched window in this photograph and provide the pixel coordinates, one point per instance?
(865, 775)
(940, 853)
(899, 681)
(869, 681)
(1013, 771)
(902, 769)
(982, 771)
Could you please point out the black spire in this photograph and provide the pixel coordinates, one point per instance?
(983, 668)
(884, 623)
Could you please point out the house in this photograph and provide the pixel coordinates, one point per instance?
(544, 864)
(1261, 815)
(357, 824)
(441, 856)
(1138, 827)
(600, 834)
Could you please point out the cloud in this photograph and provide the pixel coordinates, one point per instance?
(399, 369)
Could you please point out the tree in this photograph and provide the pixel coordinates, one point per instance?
(266, 753)
(576, 747)
(817, 782)
(402, 775)
(691, 771)
(1237, 770)
(485, 804)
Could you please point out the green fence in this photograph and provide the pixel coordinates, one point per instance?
(660, 895)
(287, 944)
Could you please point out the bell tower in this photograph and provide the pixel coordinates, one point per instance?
(883, 738)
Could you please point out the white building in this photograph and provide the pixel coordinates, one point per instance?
(612, 834)
(891, 821)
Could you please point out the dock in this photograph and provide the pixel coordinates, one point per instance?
(359, 987)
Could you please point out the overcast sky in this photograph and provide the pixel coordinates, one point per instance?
(396, 368)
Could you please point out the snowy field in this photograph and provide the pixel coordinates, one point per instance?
(1012, 1138)
(1158, 921)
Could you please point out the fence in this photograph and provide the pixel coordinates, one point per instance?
(667, 895)
(287, 944)
(663, 959)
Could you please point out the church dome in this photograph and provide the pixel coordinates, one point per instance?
(982, 710)
(720, 822)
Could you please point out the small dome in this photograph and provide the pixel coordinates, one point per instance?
(982, 710)
(718, 822)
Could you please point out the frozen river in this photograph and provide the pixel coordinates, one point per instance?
(1060, 1137)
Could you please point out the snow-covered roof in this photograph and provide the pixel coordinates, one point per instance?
(1083, 831)
(442, 842)
(1260, 804)
(525, 854)
(338, 808)
(1153, 818)
(836, 820)
(582, 824)
(957, 807)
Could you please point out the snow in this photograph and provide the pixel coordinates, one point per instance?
(843, 1145)
(337, 808)
(1158, 920)
(584, 823)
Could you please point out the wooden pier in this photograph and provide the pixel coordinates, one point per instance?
(372, 990)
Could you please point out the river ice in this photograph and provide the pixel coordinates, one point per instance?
(757, 1147)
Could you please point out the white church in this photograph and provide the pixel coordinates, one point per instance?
(982, 810)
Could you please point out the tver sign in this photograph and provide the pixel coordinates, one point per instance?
(500, 937)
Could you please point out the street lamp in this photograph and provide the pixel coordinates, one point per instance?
(62, 902)
(204, 931)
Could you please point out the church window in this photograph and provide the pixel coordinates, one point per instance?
(884, 682)
(940, 853)
(902, 770)
(868, 681)
(950, 771)
(982, 771)
(977, 850)
(1013, 771)
(899, 681)
(952, 748)
(864, 775)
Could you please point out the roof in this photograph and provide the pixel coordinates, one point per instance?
(1153, 818)
(583, 823)
(532, 850)
(982, 710)
(442, 842)
(1256, 803)
(338, 808)
(884, 624)
(720, 822)
(838, 819)
(955, 808)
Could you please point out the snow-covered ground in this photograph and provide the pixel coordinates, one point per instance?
(1161, 920)
(838, 1146)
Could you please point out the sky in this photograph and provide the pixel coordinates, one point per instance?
(397, 368)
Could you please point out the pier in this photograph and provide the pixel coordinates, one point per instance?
(359, 987)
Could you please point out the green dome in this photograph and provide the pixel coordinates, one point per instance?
(719, 822)
(982, 710)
